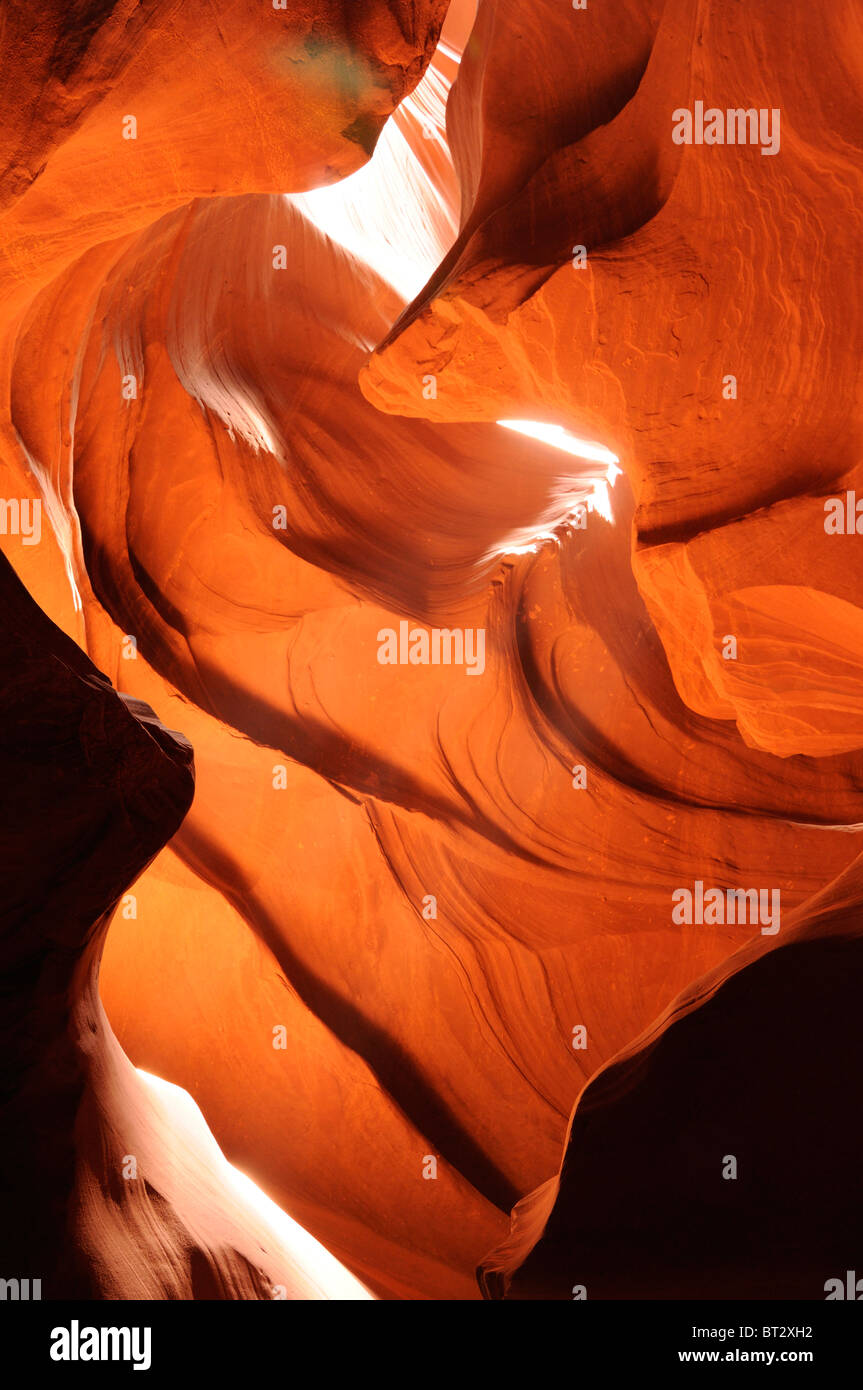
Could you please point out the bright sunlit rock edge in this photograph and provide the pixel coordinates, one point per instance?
(288, 1240)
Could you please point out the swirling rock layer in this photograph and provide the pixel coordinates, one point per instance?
(135, 1199)
(415, 915)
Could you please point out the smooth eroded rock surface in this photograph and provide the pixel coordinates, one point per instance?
(418, 949)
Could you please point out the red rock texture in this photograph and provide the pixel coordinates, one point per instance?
(281, 485)
(701, 262)
(110, 1190)
(752, 1057)
(698, 258)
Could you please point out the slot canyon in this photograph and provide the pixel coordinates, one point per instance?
(431, 715)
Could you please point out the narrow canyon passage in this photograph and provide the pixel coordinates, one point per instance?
(420, 409)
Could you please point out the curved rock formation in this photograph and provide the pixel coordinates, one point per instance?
(136, 1200)
(714, 1158)
(418, 909)
(694, 258)
(679, 302)
(123, 112)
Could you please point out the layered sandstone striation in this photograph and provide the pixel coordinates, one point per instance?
(415, 914)
(700, 259)
(694, 306)
(112, 1188)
